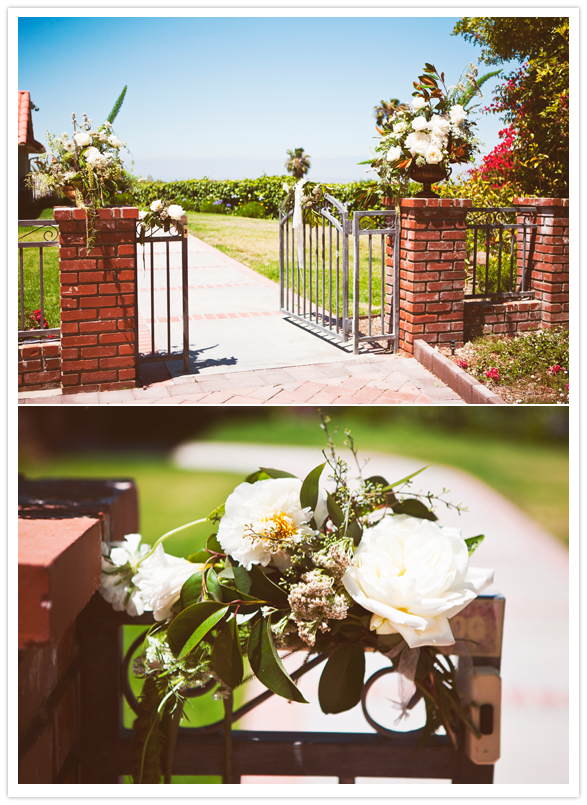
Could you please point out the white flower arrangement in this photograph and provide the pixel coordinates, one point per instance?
(160, 215)
(435, 129)
(294, 566)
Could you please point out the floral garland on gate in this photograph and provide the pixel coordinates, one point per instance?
(89, 162)
(434, 129)
(160, 215)
(294, 567)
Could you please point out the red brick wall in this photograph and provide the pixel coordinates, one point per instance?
(432, 271)
(506, 318)
(98, 305)
(548, 258)
(52, 544)
(39, 365)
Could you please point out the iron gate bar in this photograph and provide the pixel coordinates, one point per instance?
(51, 240)
(495, 220)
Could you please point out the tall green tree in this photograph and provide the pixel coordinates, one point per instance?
(533, 100)
(298, 163)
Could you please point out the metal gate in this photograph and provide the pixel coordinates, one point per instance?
(162, 297)
(317, 286)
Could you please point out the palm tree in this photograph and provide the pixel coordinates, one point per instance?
(298, 163)
(385, 110)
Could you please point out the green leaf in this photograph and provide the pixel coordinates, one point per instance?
(474, 542)
(377, 479)
(355, 532)
(277, 473)
(414, 508)
(226, 654)
(191, 590)
(335, 512)
(217, 514)
(404, 480)
(199, 556)
(309, 491)
(260, 475)
(213, 545)
(266, 664)
(213, 586)
(341, 683)
(190, 626)
(255, 583)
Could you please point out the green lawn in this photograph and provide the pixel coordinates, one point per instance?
(533, 475)
(31, 276)
(255, 242)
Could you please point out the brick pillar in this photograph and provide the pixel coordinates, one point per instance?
(432, 270)
(98, 300)
(547, 249)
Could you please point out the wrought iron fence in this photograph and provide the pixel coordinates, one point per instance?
(498, 252)
(105, 751)
(32, 287)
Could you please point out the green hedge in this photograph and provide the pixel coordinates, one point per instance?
(233, 193)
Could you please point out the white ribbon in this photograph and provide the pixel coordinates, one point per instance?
(297, 220)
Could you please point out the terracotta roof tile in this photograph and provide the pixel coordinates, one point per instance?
(25, 124)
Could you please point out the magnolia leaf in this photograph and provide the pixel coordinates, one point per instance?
(191, 590)
(199, 556)
(266, 664)
(474, 542)
(260, 475)
(341, 683)
(226, 654)
(213, 545)
(355, 532)
(414, 508)
(213, 586)
(276, 473)
(335, 513)
(255, 584)
(310, 487)
(192, 624)
(376, 479)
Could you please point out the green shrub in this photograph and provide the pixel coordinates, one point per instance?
(213, 206)
(252, 209)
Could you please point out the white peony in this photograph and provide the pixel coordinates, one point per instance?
(93, 156)
(160, 579)
(114, 141)
(142, 214)
(457, 115)
(439, 126)
(258, 516)
(394, 153)
(117, 571)
(157, 205)
(413, 575)
(418, 103)
(82, 138)
(175, 211)
(420, 123)
(417, 142)
(433, 154)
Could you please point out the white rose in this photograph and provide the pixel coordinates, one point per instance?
(93, 156)
(439, 126)
(433, 154)
(457, 115)
(142, 214)
(157, 205)
(418, 103)
(413, 575)
(175, 211)
(82, 138)
(258, 516)
(399, 128)
(394, 153)
(417, 142)
(114, 141)
(119, 561)
(420, 123)
(160, 579)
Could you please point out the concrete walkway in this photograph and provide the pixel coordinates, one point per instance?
(243, 351)
(532, 572)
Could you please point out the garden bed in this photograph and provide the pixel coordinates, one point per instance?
(529, 369)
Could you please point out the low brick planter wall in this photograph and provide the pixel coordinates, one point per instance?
(61, 526)
(505, 318)
(469, 389)
(39, 365)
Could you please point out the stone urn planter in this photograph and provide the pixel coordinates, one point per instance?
(428, 175)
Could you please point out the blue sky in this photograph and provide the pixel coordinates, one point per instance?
(227, 96)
